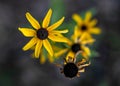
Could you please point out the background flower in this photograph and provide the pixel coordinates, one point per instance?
(87, 24)
(75, 46)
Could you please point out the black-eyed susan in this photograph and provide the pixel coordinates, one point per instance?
(72, 69)
(41, 33)
(87, 24)
(77, 45)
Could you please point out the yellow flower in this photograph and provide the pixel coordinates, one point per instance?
(86, 25)
(40, 34)
(76, 46)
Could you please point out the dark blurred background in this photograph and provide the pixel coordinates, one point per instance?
(17, 68)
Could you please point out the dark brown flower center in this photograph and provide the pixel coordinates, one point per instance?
(70, 70)
(75, 48)
(83, 27)
(42, 33)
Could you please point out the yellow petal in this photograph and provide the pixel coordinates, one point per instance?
(48, 47)
(52, 33)
(32, 48)
(88, 41)
(69, 42)
(95, 30)
(57, 24)
(76, 34)
(42, 59)
(56, 34)
(32, 21)
(57, 38)
(77, 18)
(27, 32)
(83, 37)
(88, 36)
(61, 52)
(85, 55)
(46, 20)
(57, 31)
(31, 43)
(93, 23)
(86, 50)
(33, 54)
(70, 54)
(88, 16)
(60, 36)
(38, 48)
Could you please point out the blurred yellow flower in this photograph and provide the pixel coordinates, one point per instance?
(76, 46)
(40, 34)
(86, 25)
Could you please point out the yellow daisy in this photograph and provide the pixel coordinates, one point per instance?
(76, 46)
(86, 25)
(40, 34)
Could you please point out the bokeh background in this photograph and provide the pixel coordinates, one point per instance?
(17, 68)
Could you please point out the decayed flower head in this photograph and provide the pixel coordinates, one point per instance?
(41, 33)
(72, 69)
(76, 46)
(86, 25)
